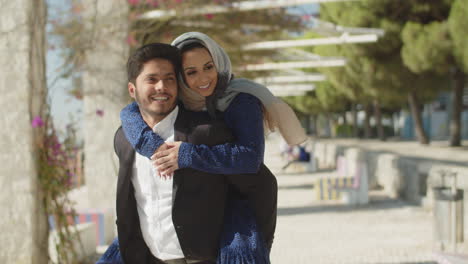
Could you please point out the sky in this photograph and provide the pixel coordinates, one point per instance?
(65, 108)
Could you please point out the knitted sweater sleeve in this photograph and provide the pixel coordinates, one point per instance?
(245, 155)
(137, 132)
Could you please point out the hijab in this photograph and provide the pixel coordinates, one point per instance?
(277, 114)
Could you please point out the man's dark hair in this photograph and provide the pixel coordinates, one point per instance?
(149, 52)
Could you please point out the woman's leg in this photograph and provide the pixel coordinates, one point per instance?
(241, 241)
(112, 254)
(261, 190)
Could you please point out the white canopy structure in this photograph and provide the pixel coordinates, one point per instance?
(290, 90)
(281, 85)
(324, 62)
(330, 28)
(292, 79)
(343, 39)
(238, 6)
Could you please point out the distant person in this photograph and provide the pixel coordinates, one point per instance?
(297, 154)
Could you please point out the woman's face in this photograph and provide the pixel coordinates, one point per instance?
(199, 71)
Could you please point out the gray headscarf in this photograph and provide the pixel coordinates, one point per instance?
(277, 114)
(191, 99)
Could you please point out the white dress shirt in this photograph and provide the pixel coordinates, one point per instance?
(154, 199)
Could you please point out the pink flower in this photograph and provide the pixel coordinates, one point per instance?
(37, 122)
(133, 2)
(153, 3)
(209, 16)
(179, 1)
(57, 146)
(100, 113)
(131, 40)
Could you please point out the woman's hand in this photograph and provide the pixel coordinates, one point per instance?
(166, 158)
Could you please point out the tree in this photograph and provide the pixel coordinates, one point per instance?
(378, 67)
(430, 47)
(231, 30)
(324, 100)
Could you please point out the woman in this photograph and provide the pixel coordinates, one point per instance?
(208, 85)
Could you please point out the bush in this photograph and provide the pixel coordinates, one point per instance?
(344, 130)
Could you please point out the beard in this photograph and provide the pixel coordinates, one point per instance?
(147, 111)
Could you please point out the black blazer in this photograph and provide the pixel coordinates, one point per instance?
(198, 197)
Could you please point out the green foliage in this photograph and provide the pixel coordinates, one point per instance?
(344, 130)
(436, 42)
(331, 99)
(54, 158)
(307, 104)
(427, 47)
(325, 98)
(458, 26)
(377, 70)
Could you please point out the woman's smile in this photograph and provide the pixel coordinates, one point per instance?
(204, 86)
(200, 73)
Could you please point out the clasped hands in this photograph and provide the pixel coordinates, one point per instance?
(165, 159)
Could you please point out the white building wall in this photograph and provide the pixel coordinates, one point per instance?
(22, 82)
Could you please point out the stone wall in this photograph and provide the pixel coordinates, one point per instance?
(105, 93)
(22, 84)
(401, 176)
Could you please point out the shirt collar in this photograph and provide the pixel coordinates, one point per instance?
(165, 127)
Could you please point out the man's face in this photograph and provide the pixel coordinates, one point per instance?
(155, 90)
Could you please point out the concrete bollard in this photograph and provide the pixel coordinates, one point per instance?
(357, 168)
(370, 158)
(353, 156)
(425, 191)
(388, 174)
(411, 190)
(330, 156)
(320, 154)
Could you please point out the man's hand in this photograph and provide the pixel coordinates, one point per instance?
(166, 158)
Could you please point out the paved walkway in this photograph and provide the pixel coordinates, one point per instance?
(437, 150)
(385, 231)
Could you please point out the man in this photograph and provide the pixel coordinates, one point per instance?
(176, 220)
